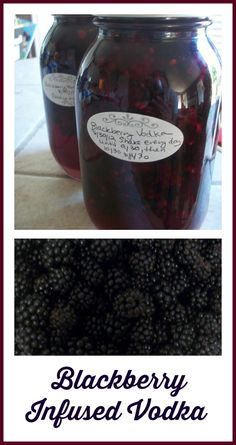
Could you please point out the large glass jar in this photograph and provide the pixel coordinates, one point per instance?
(147, 106)
(61, 54)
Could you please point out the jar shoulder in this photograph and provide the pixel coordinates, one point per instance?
(68, 35)
(173, 62)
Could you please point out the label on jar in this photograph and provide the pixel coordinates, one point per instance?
(60, 88)
(134, 137)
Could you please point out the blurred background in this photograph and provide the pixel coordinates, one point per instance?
(30, 31)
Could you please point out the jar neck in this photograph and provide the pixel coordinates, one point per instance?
(67, 18)
(151, 27)
(150, 34)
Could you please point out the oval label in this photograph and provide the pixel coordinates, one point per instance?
(134, 137)
(60, 88)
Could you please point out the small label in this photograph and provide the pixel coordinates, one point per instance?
(134, 137)
(60, 88)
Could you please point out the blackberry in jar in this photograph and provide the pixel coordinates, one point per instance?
(147, 108)
(61, 54)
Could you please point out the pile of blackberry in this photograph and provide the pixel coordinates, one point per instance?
(118, 297)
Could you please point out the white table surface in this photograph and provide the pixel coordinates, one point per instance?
(45, 197)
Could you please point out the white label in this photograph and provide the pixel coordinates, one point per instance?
(60, 88)
(134, 137)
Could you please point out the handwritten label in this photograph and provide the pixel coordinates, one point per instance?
(134, 137)
(60, 88)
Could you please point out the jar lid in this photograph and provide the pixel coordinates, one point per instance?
(162, 21)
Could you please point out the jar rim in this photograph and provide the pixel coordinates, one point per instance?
(74, 16)
(160, 20)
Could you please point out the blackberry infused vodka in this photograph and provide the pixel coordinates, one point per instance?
(147, 106)
(61, 54)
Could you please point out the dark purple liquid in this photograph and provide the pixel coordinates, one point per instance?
(62, 52)
(167, 78)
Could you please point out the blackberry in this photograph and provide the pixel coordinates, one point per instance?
(23, 286)
(34, 256)
(179, 284)
(115, 329)
(132, 304)
(207, 346)
(207, 325)
(56, 252)
(30, 341)
(143, 282)
(79, 346)
(212, 254)
(82, 298)
(176, 314)
(165, 245)
(106, 349)
(166, 267)
(142, 263)
(32, 311)
(116, 281)
(197, 299)
(22, 247)
(170, 349)
(42, 286)
(188, 254)
(92, 273)
(162, 334)
(214, 302)
(149, 245)
(164, 299)
(142, 337)
(183, 337)
(57, 343)
(105, 250)
(63, 319)
(61, 280)
(93, 327)
(24, 269)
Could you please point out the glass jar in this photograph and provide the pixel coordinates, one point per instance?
(61, 54)
(147, 107)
